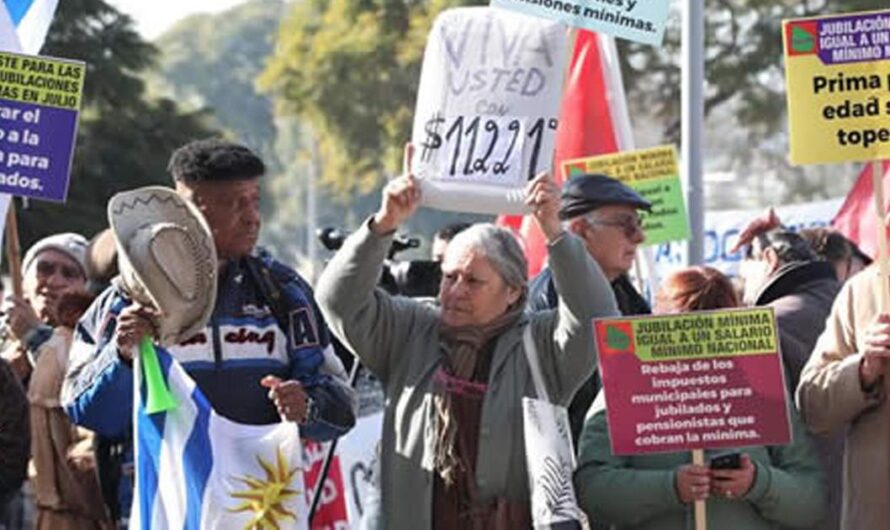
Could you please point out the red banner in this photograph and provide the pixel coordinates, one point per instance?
(856, 219)
(590, 105)
(331, 511)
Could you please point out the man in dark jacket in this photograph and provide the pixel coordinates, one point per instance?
(15, 441)
(782, 271)
(603, 212)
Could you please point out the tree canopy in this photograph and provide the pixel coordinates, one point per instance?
(350, 68)
(124, 140)
(743, 61)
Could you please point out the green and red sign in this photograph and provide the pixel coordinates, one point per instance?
(702, 380)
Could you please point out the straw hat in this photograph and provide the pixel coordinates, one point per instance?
(166, 258)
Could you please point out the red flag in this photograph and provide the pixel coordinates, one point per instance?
(591, 105)
(331, 511)
(856, 219)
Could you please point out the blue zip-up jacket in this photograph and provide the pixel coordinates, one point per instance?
(242, 343)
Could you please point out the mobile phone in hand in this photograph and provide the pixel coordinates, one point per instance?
(731, 460)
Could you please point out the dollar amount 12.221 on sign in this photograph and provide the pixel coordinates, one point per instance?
(483, 149)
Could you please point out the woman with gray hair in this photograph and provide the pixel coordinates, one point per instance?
(453, 455)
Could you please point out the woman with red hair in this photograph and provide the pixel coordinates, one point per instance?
(696, 289)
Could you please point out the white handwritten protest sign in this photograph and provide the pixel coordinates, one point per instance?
(359, 456)
(487, 108)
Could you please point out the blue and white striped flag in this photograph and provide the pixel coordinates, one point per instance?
(24, 24)
(198, 470)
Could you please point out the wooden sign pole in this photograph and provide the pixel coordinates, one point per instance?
(701, 521)
(13, 250)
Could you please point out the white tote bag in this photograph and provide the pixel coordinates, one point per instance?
(549, 455)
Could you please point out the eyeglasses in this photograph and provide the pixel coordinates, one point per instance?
(48, 268)
(631, 226)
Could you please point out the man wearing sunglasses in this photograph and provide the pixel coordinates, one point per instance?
(604, 213)
(52, 266)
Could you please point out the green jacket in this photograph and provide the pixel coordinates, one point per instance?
(398, 340)
(638, 492)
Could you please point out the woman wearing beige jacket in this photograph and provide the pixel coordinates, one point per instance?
(841, 388)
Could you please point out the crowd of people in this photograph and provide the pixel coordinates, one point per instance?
(454, 370)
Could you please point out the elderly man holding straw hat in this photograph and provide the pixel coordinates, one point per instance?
(253, 341)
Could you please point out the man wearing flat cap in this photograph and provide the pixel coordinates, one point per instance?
(603, 212)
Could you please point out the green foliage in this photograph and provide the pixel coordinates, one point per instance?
(211, 61)
(123, 140)
(349, 69)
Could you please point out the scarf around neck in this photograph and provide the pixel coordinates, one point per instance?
(465, 345)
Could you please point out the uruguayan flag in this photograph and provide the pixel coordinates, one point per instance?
(24, 23)
(198, 470)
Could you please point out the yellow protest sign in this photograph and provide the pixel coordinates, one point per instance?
(41, 80)
(40, 100)
(838, 87)
(652, 173)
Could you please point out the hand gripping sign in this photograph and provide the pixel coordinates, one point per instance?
(487, 108)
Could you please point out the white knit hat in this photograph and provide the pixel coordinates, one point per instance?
(71, 244)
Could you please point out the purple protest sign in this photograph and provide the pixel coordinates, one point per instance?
(845, 39)
(39, 109)
(854, 39)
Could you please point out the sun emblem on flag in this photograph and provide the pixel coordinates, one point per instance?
(265, 498)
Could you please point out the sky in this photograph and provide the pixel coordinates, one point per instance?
(153, 17)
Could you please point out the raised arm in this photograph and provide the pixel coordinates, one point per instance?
(368, 321)
(564, 338)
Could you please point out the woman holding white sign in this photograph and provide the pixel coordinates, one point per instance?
(748, 489)
(455, 376)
